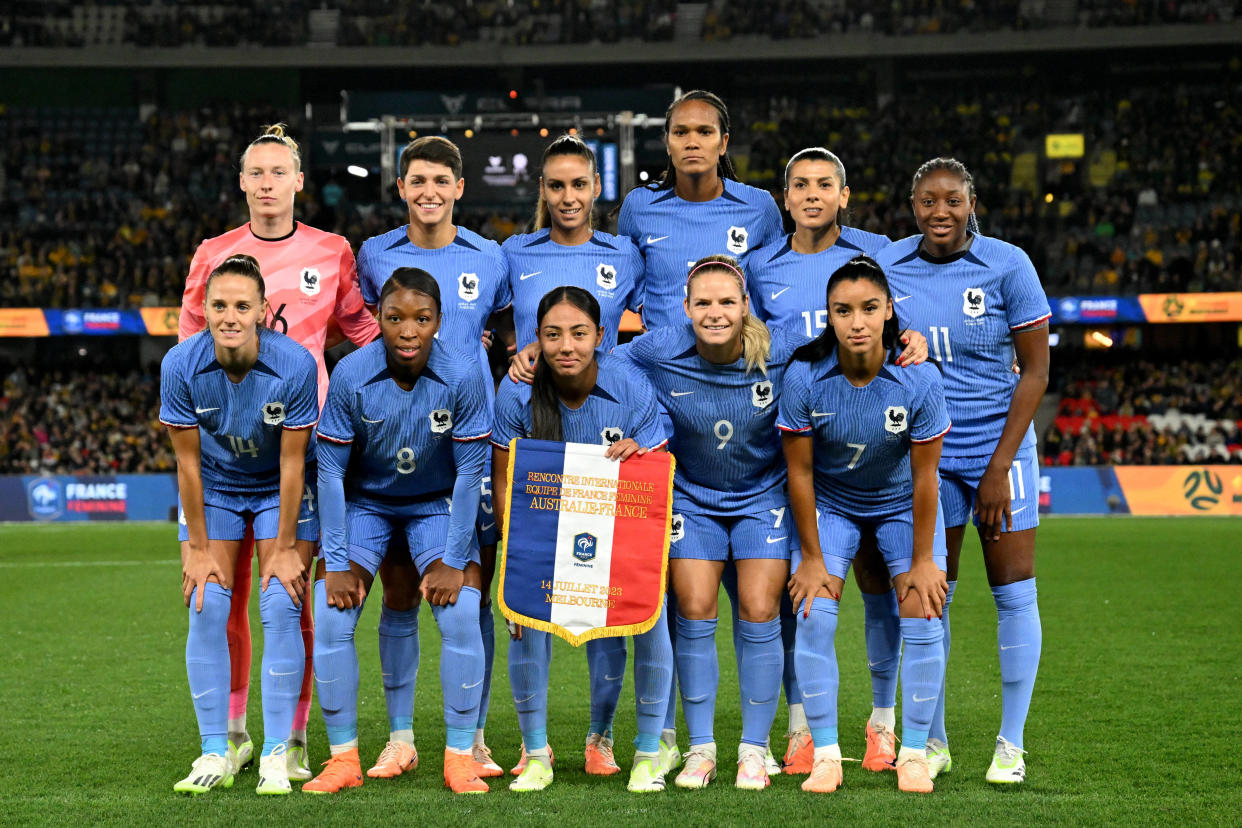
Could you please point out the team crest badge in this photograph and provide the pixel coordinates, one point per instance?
(441, 420)
(468, 286)
(972, 302)
(274, 413)
(761, 394)
(736, 242)
(584, 547)
(611, 435)
(895, 419)
(677, 527)
(309, 283)
(606, 276)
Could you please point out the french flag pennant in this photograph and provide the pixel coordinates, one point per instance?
(586, 540)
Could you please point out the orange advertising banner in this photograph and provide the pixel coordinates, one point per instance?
(1192, 307)
(22, 322)
(1181, 490)
(161, 321)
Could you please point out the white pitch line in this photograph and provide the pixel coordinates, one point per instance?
(41, 564)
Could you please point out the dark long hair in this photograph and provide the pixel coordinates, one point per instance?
(411, 278)
(859, 267)
(545, 405)
(724, 164)
(565, 145)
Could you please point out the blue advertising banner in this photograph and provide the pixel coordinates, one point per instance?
(1089, 310)
(88, 497)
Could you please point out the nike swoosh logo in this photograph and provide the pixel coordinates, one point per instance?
(373, 422)
(487, 526)
(651, 240)
(327, 681)
(1011, 647)
(806, 695)
(757, 703)
(680, 393)
(779, 292)
(528, 698)
(1015, 511)
(526, 276)
(205, 410)
(305, 520)
(873, 664)
(915, 698)
(471, 686)
(273, 673)
(614, 678)
(897, 299)
(200, 695)
(815, 413)
(777, 540)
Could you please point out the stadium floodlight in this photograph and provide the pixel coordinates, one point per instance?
(354, 169)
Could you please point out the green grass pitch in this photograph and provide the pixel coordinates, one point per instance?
(1135, 717)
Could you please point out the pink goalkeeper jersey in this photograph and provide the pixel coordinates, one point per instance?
(310, 278)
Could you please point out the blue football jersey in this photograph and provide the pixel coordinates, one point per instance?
(620, 405)
(470, 271)
(609, 267)
(402, 441)
(728, 450)
(862, 435)
(788, 290)
(968, 306)
(240, 424)
(672, 234)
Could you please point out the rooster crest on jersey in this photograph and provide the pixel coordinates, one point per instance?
(441, 420)
(761, 394)
(736, 241)
(610, 435)
(309, 283)
(274, 413)
(972, 302)
(468, 286)
(606, 276)
(677, 528)
(895, 419)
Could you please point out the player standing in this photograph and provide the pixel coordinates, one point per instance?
(718, 379)
(788, 279)
(311, 280)
(472, 276)
(981, 303)
(403, 446)
(581, 396)
(239, 402)
(698, 208)
(870, 463)
(564, 249)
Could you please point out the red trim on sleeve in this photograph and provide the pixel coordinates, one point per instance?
(1032, 323)
(936, 437)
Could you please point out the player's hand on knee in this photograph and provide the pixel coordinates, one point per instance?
(992, 504)
(197, 569)
(345, 590)
(285, 564)
(810, 581)
(926, 582)
(442, 583)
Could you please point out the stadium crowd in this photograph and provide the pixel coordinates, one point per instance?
(73, 421)
(187, 23)
(1147, 413)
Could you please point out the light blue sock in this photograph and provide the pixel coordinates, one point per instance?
(816, 655)
(461, 666)
(398, 651)
(728, 580)
(789, 640)
(670, 618)
(606, 659)
(881, 621)
(937, 726)
(922, 676)
(1019, 639)
(336, 667)
(700, 676)
(763, 657)
(529, 661)
(207, 666)
(653, 673)
(284, 660)
(487, 626)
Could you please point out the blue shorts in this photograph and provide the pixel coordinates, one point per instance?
(228, 514)
(370, 526)
(489, 532)
(840, 534)
(764, 534)
(959, 483)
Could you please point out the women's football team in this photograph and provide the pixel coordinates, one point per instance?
(830, 396)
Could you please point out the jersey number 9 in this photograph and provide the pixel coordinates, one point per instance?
(724, 432)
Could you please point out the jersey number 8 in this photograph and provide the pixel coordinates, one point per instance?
(405, 460)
